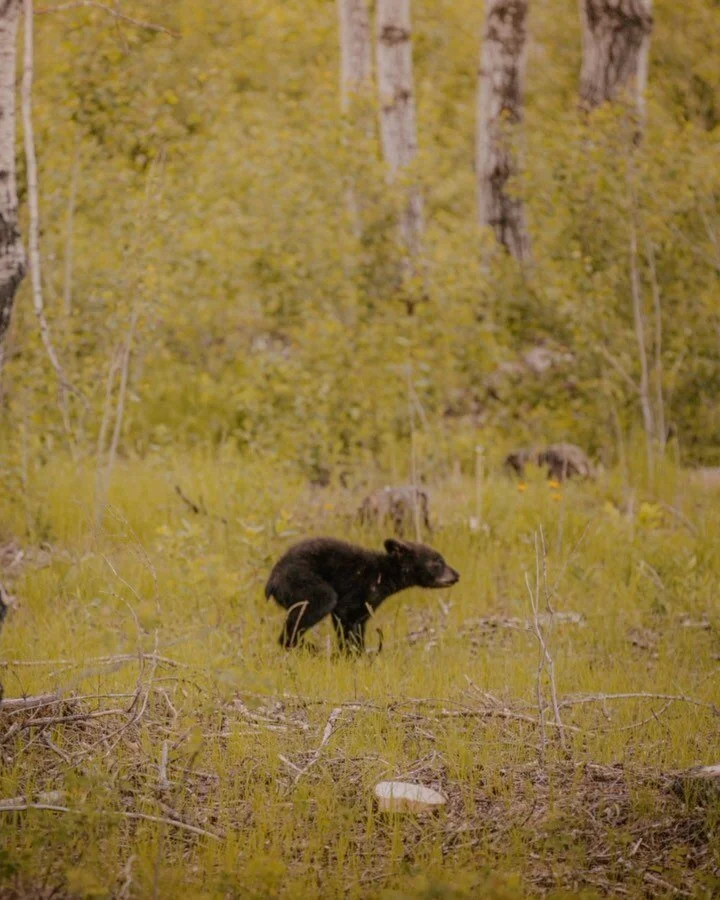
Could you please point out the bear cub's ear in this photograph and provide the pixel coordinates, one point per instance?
(395, 548)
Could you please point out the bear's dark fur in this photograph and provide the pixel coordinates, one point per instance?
(323, 576)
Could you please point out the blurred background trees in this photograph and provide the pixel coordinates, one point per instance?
(195, 194)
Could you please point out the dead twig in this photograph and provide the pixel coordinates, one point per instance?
(19, 805)
(187, 501)
(271, 720)
(163, 783)
(545, 660)
(490, 714)
(639, 695)
(330, 727)
(13, 704)
(660, 882)
(73, 717)
(93, 4)
(198, 509)
(100, 660)
(680, 516)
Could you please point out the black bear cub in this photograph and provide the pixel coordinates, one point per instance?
(323, 576)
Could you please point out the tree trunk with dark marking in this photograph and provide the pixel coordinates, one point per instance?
(616, 46)
(12, 256)
(500, 104)
(398, 121)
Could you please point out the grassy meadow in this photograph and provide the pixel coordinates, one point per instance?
(182, 753)
(231, 334)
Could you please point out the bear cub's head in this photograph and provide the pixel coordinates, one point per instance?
(421, 565)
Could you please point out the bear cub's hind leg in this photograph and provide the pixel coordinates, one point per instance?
(313, 600)
(350, 633)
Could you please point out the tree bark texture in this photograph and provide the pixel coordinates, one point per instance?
(616, 46)
(12, 256)
(355, 85)
(355, 51)
(398, 120)
(500, 104)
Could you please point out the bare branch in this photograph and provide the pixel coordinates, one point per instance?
(618, 368)
(93, 4)
(639, 695)
(696, 249)
(657, 309)
(18, 703)
(34, 223)
(17, 804)
(545, 660)
(330, 727)
(67, 280)
(638, 320)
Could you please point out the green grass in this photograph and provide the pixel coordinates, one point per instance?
(450, 701)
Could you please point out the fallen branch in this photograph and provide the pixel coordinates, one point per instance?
(73, 717)
(661, 883)
(494, 713)
(639, 695)
(163, 783)
(47, 797)
(19, 805)
(270, 721)
(102, 660)
(12, 704)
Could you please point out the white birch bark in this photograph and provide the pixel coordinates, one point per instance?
(355, 51)
(355, 83)
(398, 120)
(500, 103)
(616, 47)
(12, 256)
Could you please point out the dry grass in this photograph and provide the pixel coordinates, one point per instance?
(177, 751)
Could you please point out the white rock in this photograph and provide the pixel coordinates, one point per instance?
(401, 796)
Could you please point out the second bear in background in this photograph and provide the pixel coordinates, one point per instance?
(396, 507)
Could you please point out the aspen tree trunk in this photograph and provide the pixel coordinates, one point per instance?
(398, 121)
(355, 51)
(500, 103)
(12, 256)
(355, 82)
(616, 45)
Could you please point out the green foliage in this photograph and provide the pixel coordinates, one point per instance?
(212, 171)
